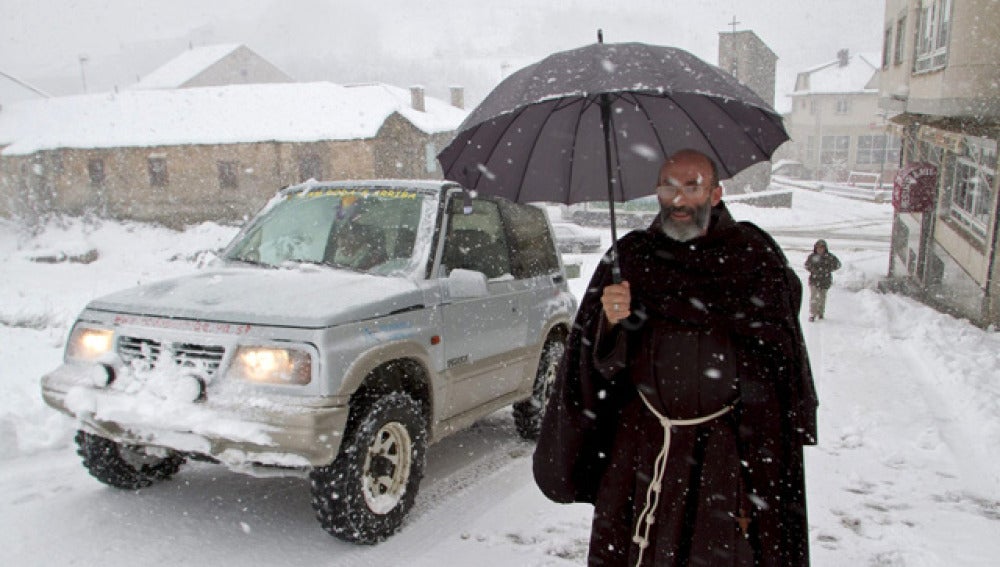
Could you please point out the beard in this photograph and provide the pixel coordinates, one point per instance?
(686, 230)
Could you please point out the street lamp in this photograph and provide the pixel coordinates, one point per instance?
(83, 75)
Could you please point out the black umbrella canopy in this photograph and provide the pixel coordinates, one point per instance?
(539, 135)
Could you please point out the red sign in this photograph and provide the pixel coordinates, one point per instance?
(915, 188)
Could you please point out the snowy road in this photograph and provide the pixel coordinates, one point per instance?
(905, 473)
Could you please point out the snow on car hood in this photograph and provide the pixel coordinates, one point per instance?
(306, 296)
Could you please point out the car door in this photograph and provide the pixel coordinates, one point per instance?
(481, 333)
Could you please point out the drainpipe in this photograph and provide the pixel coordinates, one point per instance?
(991, 264)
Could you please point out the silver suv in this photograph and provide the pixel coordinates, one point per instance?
(345, 328)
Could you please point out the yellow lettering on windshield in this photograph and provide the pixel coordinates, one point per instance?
(350, 195)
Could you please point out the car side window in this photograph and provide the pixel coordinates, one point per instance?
(476, 240)
(533, 253)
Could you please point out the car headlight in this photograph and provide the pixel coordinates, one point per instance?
(89, 344)
(270, 365)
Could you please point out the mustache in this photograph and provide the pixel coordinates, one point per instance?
(668, 210)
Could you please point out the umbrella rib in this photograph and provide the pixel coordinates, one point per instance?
(559, 105)
(704, 136)
(534, 143)
(585, 103)
(489, 154)
(468, 134)
(723, 109)
(652, 125)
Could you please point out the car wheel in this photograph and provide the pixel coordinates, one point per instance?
(365, 494)
(528, 414)
(124, 466)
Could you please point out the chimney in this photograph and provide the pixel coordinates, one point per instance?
(842, 57)
(458, 97)
(417, 98)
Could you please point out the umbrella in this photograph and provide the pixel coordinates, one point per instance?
(596, 122)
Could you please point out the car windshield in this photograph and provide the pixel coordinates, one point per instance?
(371, 230)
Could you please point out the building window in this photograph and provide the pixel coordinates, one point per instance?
(95, 168)
(928, 152)
(886, 47)
(932, 35)
(228, 174)
(310, 167)
(878, 148)
(810, 155)
(430, 157)
(834, 150)
(972, 185)
(158, 172)
(843, 106)
(900, 47)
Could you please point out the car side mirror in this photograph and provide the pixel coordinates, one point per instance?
(467, 283)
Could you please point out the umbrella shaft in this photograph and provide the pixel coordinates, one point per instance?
(616, 272)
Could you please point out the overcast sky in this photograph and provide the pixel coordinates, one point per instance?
(434, 43)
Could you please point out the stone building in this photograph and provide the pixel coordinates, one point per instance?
(179, 156)
(939, 84)
(753, 64)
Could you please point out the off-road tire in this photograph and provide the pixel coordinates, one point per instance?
(348, 502)
(528, 414)
(121, 466)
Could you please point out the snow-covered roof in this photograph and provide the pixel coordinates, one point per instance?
(832, 78)
(286, 112)
(185, 66)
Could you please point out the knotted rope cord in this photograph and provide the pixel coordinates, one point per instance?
(646, 518)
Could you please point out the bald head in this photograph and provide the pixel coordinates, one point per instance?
(688, 159)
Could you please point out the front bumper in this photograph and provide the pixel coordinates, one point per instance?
(243, 434)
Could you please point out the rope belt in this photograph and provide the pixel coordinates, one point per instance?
(646, 518)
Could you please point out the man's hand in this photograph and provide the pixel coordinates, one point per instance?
(617, 301)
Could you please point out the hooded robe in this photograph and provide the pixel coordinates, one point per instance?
(719, 329)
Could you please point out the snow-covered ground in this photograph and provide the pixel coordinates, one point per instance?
(905, 474)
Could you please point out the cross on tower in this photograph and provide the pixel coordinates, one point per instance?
(734, 23)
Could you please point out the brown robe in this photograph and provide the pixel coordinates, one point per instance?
(719, 327)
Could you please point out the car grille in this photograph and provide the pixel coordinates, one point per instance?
(146, 354)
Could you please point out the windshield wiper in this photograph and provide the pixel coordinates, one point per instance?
(324, 263)
(247, 261)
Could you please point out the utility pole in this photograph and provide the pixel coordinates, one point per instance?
(83, 75)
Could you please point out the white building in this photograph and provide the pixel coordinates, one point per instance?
(835, 122)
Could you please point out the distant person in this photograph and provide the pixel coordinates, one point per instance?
(821, 265)
(684, 424)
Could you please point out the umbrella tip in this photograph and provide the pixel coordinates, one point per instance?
(600, 35)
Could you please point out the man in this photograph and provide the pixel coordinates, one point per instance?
(685, 396)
